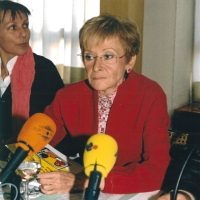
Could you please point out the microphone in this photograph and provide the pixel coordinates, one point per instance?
(38, 131)
(99, 158)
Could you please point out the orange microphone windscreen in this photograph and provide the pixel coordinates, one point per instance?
(38, 131)
(100, 150)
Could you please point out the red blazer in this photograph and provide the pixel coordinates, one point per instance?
(138, 121)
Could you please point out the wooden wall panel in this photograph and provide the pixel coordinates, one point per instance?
(132, 9)
(114, 7)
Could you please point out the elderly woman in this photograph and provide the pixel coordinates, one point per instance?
(28, 82)
(117, 101)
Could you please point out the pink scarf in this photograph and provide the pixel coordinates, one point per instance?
(22, 77)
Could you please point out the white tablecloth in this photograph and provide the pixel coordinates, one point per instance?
(140, 196)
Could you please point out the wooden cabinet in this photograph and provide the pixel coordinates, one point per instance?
(187, 118)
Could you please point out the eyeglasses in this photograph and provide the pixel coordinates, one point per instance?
(89, 59)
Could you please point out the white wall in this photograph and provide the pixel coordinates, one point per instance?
(168, 47)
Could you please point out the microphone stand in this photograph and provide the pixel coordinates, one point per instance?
(93, 190)
(8, 174)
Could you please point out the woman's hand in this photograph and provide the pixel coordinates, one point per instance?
(57, 182)
(63, 182)
(179, 197)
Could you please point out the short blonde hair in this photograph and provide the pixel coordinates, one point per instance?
(106, 26)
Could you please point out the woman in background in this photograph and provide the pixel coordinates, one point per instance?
(117, 101)
(28, 82)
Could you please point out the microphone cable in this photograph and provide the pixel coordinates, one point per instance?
(4, 184)
(174, 194)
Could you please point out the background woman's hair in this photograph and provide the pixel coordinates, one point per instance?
(14, 7)
(107, 26)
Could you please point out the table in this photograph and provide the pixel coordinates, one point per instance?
(78, 196)
(187, 118)
(138, 196)
(103, 196)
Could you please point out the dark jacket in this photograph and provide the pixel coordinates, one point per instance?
(46, 83)
(184, 165)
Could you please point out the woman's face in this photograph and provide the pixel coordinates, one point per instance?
(14, 35)
(103, 75)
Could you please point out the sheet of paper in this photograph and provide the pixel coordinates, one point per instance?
(79, 196)
(146, 195)
(103, 196)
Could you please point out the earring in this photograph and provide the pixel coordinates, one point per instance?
(128, 70)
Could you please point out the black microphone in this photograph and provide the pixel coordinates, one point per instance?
(93, 190)
(18, 157)
(34, 135)
(99, 158)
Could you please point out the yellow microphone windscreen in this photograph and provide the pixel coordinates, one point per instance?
(101, 149)
(38, 131)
